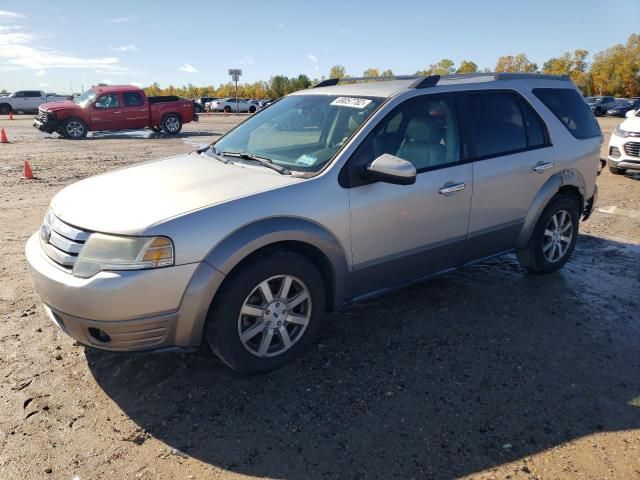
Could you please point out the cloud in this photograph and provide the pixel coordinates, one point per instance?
(44, 84)
(120, 20)
(7, 14)
(107, 81)
(137, 84)
(125, 48)
(20, 50)
(313, 58)
(41, 72)
(188, 68)
(246, 60)
(6, 28)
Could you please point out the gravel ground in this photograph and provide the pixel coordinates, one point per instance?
(483, 373)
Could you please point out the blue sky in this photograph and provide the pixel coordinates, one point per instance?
(55, 44)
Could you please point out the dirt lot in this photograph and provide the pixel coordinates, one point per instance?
(483, 373)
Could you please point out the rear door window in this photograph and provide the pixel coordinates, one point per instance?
(132, 99)
(497, 124)
(536, 131)
(567, 105)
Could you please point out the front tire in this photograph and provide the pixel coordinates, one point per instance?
(267, 313)
(171, 124)
(74, 129)
(617, 171)
(553, 238)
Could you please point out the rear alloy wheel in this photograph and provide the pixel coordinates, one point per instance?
(268, 312)
(553, 238)
(172, 124)
(617, 171)
(74, 129)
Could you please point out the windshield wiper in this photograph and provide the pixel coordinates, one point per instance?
(261, 160)
(213, 153)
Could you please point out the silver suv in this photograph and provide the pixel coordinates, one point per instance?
(327, 196)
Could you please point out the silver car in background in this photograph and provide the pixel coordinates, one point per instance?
(229, 105)
(328, 196)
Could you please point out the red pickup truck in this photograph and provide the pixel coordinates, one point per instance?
(114, 107)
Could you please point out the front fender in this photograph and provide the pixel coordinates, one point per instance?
(237, 246)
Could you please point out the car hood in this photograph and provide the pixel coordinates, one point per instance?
(130, 200)
(61, 105)
(631, 124)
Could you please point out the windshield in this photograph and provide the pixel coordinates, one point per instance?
(86, 98)
(300, 132)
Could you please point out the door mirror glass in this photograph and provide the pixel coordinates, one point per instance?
(391, 169)
(630, 113)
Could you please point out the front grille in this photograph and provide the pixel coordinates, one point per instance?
(42, 116)
(61, 242)
(632, 149)
(614, 152)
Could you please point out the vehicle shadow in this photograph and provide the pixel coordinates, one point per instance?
(462, 373)
(145, 134)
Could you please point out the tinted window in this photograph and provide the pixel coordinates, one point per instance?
(566, 104)
(132, 99)
(18, 94)
(422, 131)
(536, 136)
(110, 100)
(497, 124)
(32, 94)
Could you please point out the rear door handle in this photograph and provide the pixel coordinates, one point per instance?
(541, 167)
(450, 188)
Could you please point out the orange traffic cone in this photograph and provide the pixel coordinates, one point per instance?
(10, 115)
(3, 136)
(28, 174)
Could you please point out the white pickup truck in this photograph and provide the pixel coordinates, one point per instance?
(28, 101)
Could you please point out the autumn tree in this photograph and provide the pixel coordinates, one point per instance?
(337, 71)
(387, 73)
(519, 63)
(467, 66)
(616, 70)
(371, 72)
(443, 67)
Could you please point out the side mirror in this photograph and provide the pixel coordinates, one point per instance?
(391, 169)
(630, 113)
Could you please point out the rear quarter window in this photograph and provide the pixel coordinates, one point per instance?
(569, 107)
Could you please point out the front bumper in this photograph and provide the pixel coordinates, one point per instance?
(622, 159)
(128, 310)
(48, 126)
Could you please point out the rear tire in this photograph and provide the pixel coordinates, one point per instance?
(5, 109)
(74, 129)
(252, 109)
(617, 171)
(171, 124)
(253, 333)
(553, 238)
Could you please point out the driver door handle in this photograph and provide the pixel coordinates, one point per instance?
(450, 188)
(541, 167)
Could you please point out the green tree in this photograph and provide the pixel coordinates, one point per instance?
(467, 66)
(337, 71)
(387, 73)
(443, 67)
(616, 70)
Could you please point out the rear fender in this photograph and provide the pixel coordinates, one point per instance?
(567, 177)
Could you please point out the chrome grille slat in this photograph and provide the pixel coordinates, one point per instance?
(632, 149)
(58, 256)
(62, 242)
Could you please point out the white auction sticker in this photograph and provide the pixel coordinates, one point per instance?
(352, 102)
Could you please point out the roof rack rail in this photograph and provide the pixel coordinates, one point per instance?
(334, 81)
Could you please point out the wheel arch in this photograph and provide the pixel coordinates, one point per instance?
(568, 182)
(302, 236)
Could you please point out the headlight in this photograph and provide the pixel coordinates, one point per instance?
(618, 132)
(110, 252)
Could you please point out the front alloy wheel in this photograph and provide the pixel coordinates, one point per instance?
(74, 129)
(267, 312)
(274, 316)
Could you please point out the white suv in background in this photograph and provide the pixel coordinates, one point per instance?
(229, 105)
(624, 146)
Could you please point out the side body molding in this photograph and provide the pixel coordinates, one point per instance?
(230, 251)
(549, 189)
